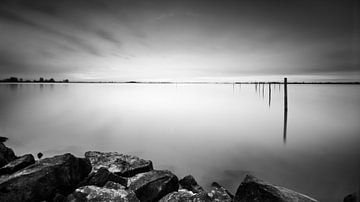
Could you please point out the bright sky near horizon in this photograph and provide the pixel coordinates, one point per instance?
(179, 40)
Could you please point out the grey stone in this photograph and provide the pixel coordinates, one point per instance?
(6, 155)
(189, 183)
(254, 189)
(352, 197)
(119, 164)
(183, 195)
(101, 177)
(17, 164)
(42, 180)
(153, 185)
(95, 194)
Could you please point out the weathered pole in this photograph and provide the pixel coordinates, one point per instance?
(269, 94)
(285, 109)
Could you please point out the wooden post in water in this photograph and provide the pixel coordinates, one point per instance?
(285, 109)
(269, 94)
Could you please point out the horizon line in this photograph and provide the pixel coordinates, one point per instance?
(184, 82)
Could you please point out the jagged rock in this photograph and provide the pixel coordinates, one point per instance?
(352, 197)
(217, 185)
(120, 164)
(214, 195)
(254, 189)
(17, 164)
(101, 177)
(153, 185)
(6, 155)
(189, 183)
(94, 193)
(42, 180)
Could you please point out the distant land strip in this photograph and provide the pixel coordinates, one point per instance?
(51, 80)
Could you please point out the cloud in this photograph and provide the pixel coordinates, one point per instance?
(15, 18)
(210, 38)
(108, 37)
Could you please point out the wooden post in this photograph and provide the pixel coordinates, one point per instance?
(285, 109)
(269, 94)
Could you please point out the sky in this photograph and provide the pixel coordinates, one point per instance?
(121, 40)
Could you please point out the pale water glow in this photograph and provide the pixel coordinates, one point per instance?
(214, 132)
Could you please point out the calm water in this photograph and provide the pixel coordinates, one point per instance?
(215, 132)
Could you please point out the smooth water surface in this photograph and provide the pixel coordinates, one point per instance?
(215, 132)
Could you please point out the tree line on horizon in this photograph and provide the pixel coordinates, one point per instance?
(40, 80)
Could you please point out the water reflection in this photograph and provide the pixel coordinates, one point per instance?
(232, 133)
(13, 86)
(285, 103)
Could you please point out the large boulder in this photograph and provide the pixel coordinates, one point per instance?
(17, 164)
(106, 193)
(6, 155)
(119, 164)
(189, 183)
(42, 180)
(254, 189)
(101, 177)
(153, 185)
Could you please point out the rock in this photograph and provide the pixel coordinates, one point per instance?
(114, 185)
(94, 193)
(181, 195)
(101, 177)
(352, 197)
(42, 180)
(214, 195)
(254, 189)
(3, 139)
(189, 183)
(219, 193)
(153, 185)
(120, 164)
(59, 198)
(6, 155)
(17, 164)
(217, 185)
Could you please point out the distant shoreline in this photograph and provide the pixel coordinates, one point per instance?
(165, 82)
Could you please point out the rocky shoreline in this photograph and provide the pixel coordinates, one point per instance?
(111, 176)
